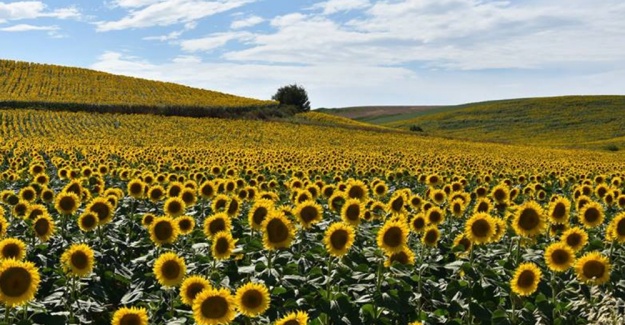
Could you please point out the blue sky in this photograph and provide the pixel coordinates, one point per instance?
(344, 52)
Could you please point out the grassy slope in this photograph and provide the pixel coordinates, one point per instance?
(570, 121)
(43, 83)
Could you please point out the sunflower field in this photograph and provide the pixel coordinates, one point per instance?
(127, 219)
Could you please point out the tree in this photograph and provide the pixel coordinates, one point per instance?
(293, 95)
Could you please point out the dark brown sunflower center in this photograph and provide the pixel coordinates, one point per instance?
(480, 228)
(353, 212)
(174, 207)
(397, 204)
(356, 192)
(431, 237)
(217, 225)
(188, 197)
(89, 221)
(277, 231)
(252, 299)
(308, 214)
(130, 319)
(67, 203)
(194, 289)
(439, 196)
(393, 237)
(435, 216)
(593, 269)
(11, 251)
(620, 227)
(560, 257)
(101, 209)
(573, 240)
(222, 246)
(163, 230)
(15, 281)
(184, 224)
(171, 269)
(400, 257)
(80, 260)
(233, 207)
(592, 215)
(526, 279)
(292, 322)
(466, 243)
(500, 195)
(259, 215)
(529, 219)
(339, 238)
(559, 211)
(380, 189)
(214, 307)
(418, 223)
(156, 194)
(20, 209)
(174, 191)
(28, 195)
(482, 207)
(136, 188)
(41, 227)
(457, 207)
(220, 204)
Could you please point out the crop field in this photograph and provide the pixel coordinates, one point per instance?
(137, 219)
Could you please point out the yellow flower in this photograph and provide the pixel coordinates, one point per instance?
(67, 203)
(525, 280)
(529, 220)
(191, 287)
(78, 260)
(174, 207)
(258, 212)
(559, 257)
(392, 236)
(591, 215)
(618, 227)
(339, 238)
(216, 223)
(308, 213)
(575, 237)
(18, 282)
(480, 228)
(169, 269)
(132, 315)
(214, 307)
(593, 268)
(405, 256)
(164, 230)
(252, 299)
(278, 232)
(12, 248)
(294, 318)
(223, 245)
(352, 211)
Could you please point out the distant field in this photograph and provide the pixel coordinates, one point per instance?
(379, 114)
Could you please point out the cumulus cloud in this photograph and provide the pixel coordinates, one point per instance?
(28, 28)
(33, 9)
(246, 22)
(334, 6)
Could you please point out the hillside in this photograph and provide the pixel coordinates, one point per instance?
(24, 84)
(596, 122)
(378, 114)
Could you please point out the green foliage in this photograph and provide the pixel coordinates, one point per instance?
(293, 95)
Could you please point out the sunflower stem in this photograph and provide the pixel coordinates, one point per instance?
(329, 280)
(7, 314)
(553, 297)
(513, 315)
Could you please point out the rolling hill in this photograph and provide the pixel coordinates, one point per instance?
(596, 122)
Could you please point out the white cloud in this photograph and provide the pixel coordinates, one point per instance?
(33, 9)
(334, 6)
(168, 12)
(27, 28)
(246, 22)
(212, 42)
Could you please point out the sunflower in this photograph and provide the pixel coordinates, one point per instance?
(207, 190)
(618, 227)
(405, 256)
(191, 287)
(526, 278)
(392, 236)
(78, 260)
(88, 221)
(213, 307)
(18, 282)
(35, 210)
(169, 269)
(396, 203)
(12, 248)
(529, 220)
(308, 213)
(500, 193)
(294, 318)
(500, 229)
(435, 216)
(438, 196)
(44, 227)
(593, 268)
(189, 196)
(357, 189)
(164, 230)
(462, 239)
(185, 224)
(20, 208)
(222, 245)
(136, 188)
(457, 207)
(339, 238)
(130, 316)
(336, 201)
(252, 299)
(278, 232)
(216, 223)
(258, 212)
(483, 205)
(156, 193)
(591, 215)
(174, 207)
(147, 219)
(28, 194)
(352, 211)
(431, 235)
(559, 257)
(220, 203)
(559, 210)
(102, 208)
(47, 195)
(480, 228)
(66, 203)
(575, 237)
(4, 224)
(418, 223)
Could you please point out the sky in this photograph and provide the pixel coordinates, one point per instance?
(343, 52)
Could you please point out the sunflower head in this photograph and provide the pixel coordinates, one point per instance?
(405, 256)
(618, 227)
(67, 203)
(88, 221)
(252, 299)
(593, 268)
(435, 216)
(431, 235)
(12, 248)
(216, 223)
(102, 208)
(44, 227)
(591, 215)
(525, 280)
(164, 230)
(529, 220)
(278, 232)
(294, 318)
(575, 237)
(78, 260)
(352, 211)
(156, 193)
(222, 245)
(189, 196)
(392, 236)
(480, 228)
(559, 257)
(418, 223)
(214, 306)
(339, 238)
(462, 239)
(18, 282)
(174, 207)
(132, 315)
(191, 287)
(559, 210)
(169, 269)
(308, 213)
(258, 212)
